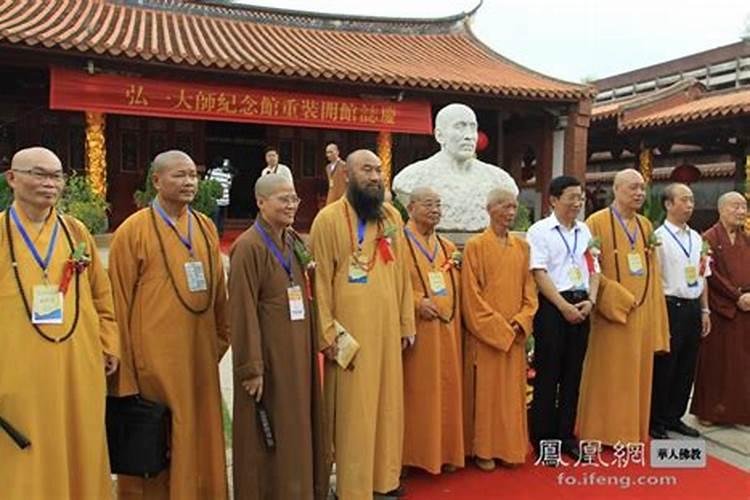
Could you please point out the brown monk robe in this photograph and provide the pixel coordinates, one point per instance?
(336, 174)
(433, 427)
(274, 345)
(629, 323)
(499, 300)
(173, 330)
(52, 390)
(722, 384)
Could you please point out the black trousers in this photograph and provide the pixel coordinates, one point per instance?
(559, 349)
(674, 372)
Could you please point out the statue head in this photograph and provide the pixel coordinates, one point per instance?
(456, 131)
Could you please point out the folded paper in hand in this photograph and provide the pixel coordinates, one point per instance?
(346, 344)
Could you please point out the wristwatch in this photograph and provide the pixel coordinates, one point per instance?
(706, 310)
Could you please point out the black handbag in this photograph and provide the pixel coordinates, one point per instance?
(138, 433)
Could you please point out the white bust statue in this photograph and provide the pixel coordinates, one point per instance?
(461, 180)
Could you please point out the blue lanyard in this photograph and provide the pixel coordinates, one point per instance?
(285, 263)
(187, 242)
(43, 263)
(429, 257)
(361, 226)
(686, 251)
(631, 237)
(571, 253)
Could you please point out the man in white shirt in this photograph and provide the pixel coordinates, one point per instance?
(274, 167)
(684, 267)
(567, 283)
(223, 175)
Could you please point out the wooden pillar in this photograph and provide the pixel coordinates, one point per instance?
(385, 153)
(646, 163)
(576, 140)
(544, 166)
(96, 152)
(747, 186)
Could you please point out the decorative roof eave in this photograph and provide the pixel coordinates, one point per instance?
(615, 109)
(707, 170)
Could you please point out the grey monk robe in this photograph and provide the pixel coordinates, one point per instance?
(265, 341)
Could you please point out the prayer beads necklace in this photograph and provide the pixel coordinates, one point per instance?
(424, 283)
(21, 291)
(645, 246)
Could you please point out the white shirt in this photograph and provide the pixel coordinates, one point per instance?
(548, 251)
(225, 179)
(281, 169)
(673, 260)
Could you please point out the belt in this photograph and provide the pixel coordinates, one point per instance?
(575, 295)
(679, 300)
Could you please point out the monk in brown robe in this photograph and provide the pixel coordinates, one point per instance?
(336, 174)
(52, 370)
(499, 300)
(629, 323)
(170, 297)
(362, 283)
(275, 356)
(433, 427)
(722, 384)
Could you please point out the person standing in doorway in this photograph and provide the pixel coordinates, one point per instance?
(274, 167)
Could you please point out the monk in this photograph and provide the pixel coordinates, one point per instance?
(498, 303)
(722, 384)
(170, 300)
(629, 323)
(362, 283)
(336, 173)
(52, 360)
(433, 427)
(274, 339)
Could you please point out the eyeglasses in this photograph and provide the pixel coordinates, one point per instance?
(289, 200)
(40, 175)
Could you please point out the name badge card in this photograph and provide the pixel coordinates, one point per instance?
(296, 303)
(635, 264)
(437, 283)
(356, 273)
(575, 275)
(196, 279)
(691, 275)
(47, 305)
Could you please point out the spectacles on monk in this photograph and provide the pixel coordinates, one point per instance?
(40, 175)
(289, 199)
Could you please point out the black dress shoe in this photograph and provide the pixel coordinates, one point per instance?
(398, 492)
(684, 429)
(658, 433)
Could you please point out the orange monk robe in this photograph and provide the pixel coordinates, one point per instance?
(496, 288)
(170, 354)
(364, 406)
(54, 393)
(615, 400)
(433, 427)
(336, 181)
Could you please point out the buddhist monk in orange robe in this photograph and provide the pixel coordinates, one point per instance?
(336, 174)
(52, 376)
(433, 427)
(170, 298)
(629, 323)
(499, 300)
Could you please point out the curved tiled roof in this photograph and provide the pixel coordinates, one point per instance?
(441, 54)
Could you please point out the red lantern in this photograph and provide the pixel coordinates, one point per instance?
(482, 141)
(685, 173)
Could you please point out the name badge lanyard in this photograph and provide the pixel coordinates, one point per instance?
(187, 242)
(430, 258)
(687, 251)
(571, 253)
(631, 237)
(43, 263)
(286, 263)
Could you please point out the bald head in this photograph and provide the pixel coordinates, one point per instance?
(168, 159)
(456, 131)
(35, 157)
(500, 195)
(728, 198)
(452, 113)
(629, 189)
(626, 176)
(268, 185)
(732, 210)
(422, 193)
(361, 157)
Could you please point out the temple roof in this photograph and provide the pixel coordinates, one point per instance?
(441, 54)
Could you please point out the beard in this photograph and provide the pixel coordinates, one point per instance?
(368, 203)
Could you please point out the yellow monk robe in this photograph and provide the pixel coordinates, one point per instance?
(54, 393)
(433, 426)
(497, 288)
(365, 406)
(171, 354)
(615, 400)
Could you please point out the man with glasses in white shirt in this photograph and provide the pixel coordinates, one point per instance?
(567, 285)
(684, 268)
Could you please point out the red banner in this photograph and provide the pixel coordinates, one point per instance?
(79, 91)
